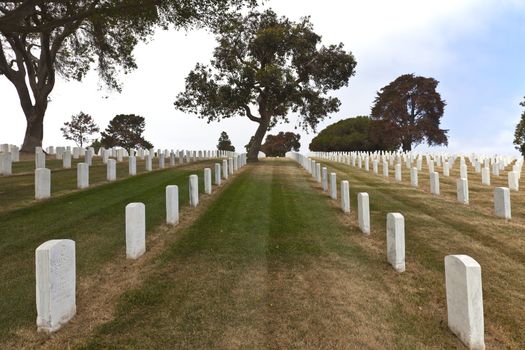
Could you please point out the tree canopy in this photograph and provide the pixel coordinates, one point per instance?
(519, 133)
(270, 64)
(125, 130)
(40, 39)
(410, 111)
(352, 134)
(225, 143)
(278, 145)
(79, 128)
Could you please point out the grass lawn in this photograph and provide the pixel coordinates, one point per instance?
(94, 218)
(437, 226)
(271, 262)
(18, 189)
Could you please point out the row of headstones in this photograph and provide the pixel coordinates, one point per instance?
(462, 273)
(497, 163)
(502, 203)
(11, 153)
(55, 259)
(43, 175)
(362, 159)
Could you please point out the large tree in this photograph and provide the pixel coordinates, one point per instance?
(352, 134)
(125, 130)
(410, 111)
(278, 145)
(519, 133)
(271, 64)
(79, 128)
(225, 143)
(40, 39)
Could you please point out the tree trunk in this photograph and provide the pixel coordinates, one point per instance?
(34, 130)
(253, 153)
(407, 145)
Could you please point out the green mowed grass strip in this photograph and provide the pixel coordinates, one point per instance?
(19, 189)
(94, 218)
(436, 227)
(269, 265)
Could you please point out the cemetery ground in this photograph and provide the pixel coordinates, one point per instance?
(267, 261)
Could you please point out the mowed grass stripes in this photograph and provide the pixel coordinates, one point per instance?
(94, 218)
(270, 264)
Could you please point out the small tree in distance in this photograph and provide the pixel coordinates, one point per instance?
(125, 130)
(79, 128)
(409, 110)
(519, 134)
(224, 143)
(278, 145)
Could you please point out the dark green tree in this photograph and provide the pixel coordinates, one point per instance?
(519, 134)
(278, 145)
(224, 143)
(271, 64)
(410, 109)
(79, 128)
(96, 145)
(352, 134)
(125, 130)
(40, 39)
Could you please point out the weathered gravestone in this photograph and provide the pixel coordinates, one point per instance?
(462, 191)
(414, 177)
(502, 202)
(55, 284)
(333, 186)
(132, 165)
(42, 183)
(485, 176)
(194, 190)
(345, 196)
(225, 169)
(465, 300)
(149, 162)
(135, 230)
(111, 170)
(398, 174)
(6, 164)
(66, 160)
(434, 183)
(82, 175)
(217, 174)
(230, 166)
(161, 161)
(207, 181)
(363, 212)
(325, 179)
(40, 158)
(172, 204)
(513, 180)
(395, 241)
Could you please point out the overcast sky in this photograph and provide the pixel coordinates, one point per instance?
(474, 48)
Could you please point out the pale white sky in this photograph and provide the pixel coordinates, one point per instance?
(458, 42)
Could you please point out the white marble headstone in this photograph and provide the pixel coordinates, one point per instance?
(55, 284)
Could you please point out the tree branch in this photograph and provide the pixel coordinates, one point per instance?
(250, 115)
